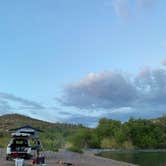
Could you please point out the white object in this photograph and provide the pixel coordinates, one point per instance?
(19, 162)
(20, 135)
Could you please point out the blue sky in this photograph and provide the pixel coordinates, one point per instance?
(56, 55)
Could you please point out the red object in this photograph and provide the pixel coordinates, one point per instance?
(34, 161)
(14, 154)
(38, 160)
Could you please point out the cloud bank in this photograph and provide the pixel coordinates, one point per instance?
(143, 95)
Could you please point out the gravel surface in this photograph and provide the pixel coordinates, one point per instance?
(86, 159)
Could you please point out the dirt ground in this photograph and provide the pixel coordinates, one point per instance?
(52, 158)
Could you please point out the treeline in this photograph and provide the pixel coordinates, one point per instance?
(112, 134)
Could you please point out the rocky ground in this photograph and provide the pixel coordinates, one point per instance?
(52, 158)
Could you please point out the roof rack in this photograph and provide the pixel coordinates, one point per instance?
(33, 132)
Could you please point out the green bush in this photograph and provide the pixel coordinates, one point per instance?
(109, 143)
(82, 139)
(75, 149)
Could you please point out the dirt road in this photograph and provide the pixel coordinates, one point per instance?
(52, 158)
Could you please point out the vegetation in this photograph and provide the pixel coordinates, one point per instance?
(134, 134)
(75, 149)
(109, 134)
(53, 137)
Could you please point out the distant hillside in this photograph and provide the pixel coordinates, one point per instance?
(15, 120)
(54, 136)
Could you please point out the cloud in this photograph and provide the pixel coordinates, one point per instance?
(114, 91)
(163, 44)
(152, 87)
(127, 8)
(10, 103)
(4, 107)
(24, 102)
(103, 90)
(146, 3)
(121, 7)
(163, 62)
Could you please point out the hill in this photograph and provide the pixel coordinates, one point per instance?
(55, 135)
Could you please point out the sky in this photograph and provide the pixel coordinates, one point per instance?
(77, 61)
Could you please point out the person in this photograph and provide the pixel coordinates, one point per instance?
(38, 147)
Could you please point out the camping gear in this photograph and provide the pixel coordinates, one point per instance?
(39, 160)
(19, 162)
